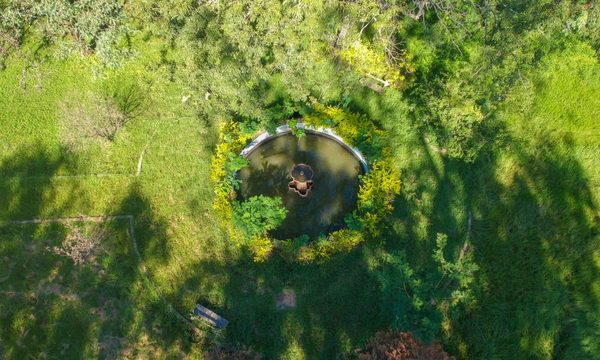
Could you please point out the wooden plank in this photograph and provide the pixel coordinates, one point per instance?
(210, 316)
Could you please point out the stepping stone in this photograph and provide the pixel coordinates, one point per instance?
(286, 299)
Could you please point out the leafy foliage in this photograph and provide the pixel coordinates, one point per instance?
(225, 163)
(259, 214)
(461, 271)
(356, 129)
(261, 247)
(404, 294)
(429, 295)
(493, 109)
(260, 45)
(376, 195)
(372, 64)
(344, 240)
(78, 26)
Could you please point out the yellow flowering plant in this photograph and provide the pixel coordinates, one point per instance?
(377, 191)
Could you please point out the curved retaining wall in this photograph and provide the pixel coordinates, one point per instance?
(327, 132)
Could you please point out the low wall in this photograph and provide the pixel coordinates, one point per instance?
(285, 129)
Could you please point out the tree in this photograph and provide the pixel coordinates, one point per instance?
(256, 58)
(401, 346)
(264, 59)
(83, 26)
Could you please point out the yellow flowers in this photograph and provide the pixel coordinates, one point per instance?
(222, 205)
(231, 141)
(343, 240)
(351, 127)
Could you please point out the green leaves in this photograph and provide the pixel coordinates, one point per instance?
(459, 273)
(259, 214)
(235, 162)
(83, 26)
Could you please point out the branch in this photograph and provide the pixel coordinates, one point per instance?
(384, 82)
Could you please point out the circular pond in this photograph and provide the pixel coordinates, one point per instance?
(316, 176)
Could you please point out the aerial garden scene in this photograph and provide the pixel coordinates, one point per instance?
(299, 179)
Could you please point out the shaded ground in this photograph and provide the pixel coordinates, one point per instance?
(53, 308)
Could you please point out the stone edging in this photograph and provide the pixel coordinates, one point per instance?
(326, 132)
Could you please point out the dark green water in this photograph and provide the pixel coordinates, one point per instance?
(332, 196)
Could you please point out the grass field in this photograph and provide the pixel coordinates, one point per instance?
(52, 308)
(533, 198)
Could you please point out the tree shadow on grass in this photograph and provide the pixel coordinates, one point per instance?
(534, 234)
(156, 326)
(22, 193)
(336, 305)
(536, 237)
(54, 308)
(535, 240)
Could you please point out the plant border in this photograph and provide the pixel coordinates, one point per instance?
(377, 191)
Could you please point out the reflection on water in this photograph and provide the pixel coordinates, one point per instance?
(333, 194)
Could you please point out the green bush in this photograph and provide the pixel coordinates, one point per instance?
(376, 195)
(261, 247)
(83, 26)
(344, 240)
(460, 273)
(259, 214)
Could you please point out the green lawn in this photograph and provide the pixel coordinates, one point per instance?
(533, 198)
(53, 308)
(534, 201)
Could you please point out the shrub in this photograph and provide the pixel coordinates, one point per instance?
(84, 26)
(96, 118)
(8, 41)
(225, 162)
(376, 195)
(400, 346)
(356, 129)
(343, 240)
(259, 214)
(373, 64)
(261, 247)
(460, 272)
(461, 121)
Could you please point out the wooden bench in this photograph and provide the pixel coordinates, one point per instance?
(210, 316)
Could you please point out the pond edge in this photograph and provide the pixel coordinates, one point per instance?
(323, 131)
